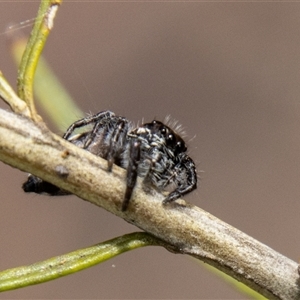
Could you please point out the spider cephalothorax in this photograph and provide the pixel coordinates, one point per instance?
(152, 151)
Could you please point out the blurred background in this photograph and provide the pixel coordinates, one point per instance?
(229, 72)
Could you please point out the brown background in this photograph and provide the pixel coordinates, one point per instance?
(230, 72)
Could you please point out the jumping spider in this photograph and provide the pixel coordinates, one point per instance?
(152, 151)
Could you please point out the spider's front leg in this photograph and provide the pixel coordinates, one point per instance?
(188, 179)
(132, 170)
(96, 119)
(117, 142)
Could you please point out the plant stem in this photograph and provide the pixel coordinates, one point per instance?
(10, 97)
(49, 91)
(35, 45)
(187, 228)
(72, 262)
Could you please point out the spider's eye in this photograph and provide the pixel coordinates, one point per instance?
(180, 147)
(172, 141)
(170, 138)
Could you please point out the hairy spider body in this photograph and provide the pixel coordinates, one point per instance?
(152, 151)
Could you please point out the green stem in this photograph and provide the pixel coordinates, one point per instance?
(49, 91)
(35, 45)
(73, 262)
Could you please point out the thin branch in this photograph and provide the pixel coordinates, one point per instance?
(69, 263)
(32, 148)
(49, 91)
(10, 97)
(36, 43)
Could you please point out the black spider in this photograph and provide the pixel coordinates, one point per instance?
(152, 151)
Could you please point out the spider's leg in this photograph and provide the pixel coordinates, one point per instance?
(92, 134)
(132, 171)
(117, 142)
(88, 120)
(152, 162)
(37, 185)
(186, 165)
